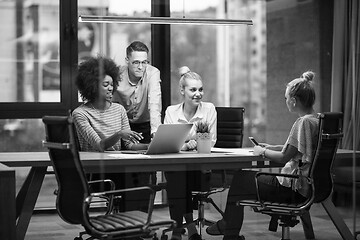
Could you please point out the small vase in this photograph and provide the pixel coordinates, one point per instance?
(203, 142)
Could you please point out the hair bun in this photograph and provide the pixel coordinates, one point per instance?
(183, 70)
(308, 75)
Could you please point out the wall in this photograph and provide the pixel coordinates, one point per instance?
(293, 38)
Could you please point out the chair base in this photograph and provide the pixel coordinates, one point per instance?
(201, 221)
(152, 236)
(286, 222)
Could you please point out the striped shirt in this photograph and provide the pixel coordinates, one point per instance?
(93, 125)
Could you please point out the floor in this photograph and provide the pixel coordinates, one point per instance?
(51, 227)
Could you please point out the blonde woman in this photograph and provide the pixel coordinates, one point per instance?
(298, 151)
(180, 184)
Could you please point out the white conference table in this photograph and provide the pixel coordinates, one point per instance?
(16, 212)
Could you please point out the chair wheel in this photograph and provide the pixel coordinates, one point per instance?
(164, 237)
(154, 237)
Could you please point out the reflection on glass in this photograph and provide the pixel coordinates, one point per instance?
(112, 39)
(21, 135)
(29, 44)
(230, 59)
(89, 34)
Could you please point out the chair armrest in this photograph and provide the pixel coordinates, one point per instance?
(109, 199)
(119, 191)
(158, 187)
(276, 174)
(151, 189)
(109, 181)
(295, 176)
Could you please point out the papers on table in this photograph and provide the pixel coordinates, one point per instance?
(239, 151)
(128, 155)
(229, 151)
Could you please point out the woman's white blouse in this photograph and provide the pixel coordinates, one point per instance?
(205, 112)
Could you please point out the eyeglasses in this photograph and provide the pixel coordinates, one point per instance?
(137, 63)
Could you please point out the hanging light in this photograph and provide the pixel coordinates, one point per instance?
(163, 20)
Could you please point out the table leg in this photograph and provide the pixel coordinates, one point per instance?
(307, 225)
(26, 199)
(7, 203)
(337, 220)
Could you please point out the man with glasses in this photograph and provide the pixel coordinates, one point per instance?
(139, 91)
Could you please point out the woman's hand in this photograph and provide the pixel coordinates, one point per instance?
(190, 145)
(258, 150)
(132, 136)
(139, 146)
(264, 145)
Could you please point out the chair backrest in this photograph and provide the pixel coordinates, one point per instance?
(330, 133)
(230, 125)
(64, 155)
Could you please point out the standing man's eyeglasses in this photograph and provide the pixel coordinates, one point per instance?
(137, 63)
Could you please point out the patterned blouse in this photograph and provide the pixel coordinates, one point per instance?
(303, 136)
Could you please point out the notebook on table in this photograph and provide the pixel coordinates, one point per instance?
(169, 138)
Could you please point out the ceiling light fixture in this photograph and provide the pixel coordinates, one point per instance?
(163, 20)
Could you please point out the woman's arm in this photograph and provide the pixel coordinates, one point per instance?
(131, 138)
(98, 142)
(272, 147)
(276, 156)
(213, 124)
(85, 130)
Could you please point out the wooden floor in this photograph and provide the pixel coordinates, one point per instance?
(51, 227)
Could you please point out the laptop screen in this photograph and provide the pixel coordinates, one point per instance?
(169, 138)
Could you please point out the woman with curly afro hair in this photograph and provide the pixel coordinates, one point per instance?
(102, 125)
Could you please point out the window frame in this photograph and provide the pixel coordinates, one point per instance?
(68, 20)
(68, 70)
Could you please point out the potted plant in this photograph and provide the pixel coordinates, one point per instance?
(203, 137)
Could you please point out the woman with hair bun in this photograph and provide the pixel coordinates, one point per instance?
(180, 184)
(297, 154)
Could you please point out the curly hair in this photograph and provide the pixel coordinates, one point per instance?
(93, 70)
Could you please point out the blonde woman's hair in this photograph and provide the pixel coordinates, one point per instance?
(303, 89)
(185, 73)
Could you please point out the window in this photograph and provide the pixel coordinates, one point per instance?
(112, 39)
(30, 52)
(232, 75)
(40, 54)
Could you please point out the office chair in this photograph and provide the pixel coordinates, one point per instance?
(230, 125)
(319, 178)
(74, 197)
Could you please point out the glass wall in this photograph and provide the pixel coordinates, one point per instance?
(230, 59)
(29, 73)
(246, 66)
(112, 39)
(29, 44)
(29, 69)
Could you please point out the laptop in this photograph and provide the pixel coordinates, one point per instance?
(169, 138)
